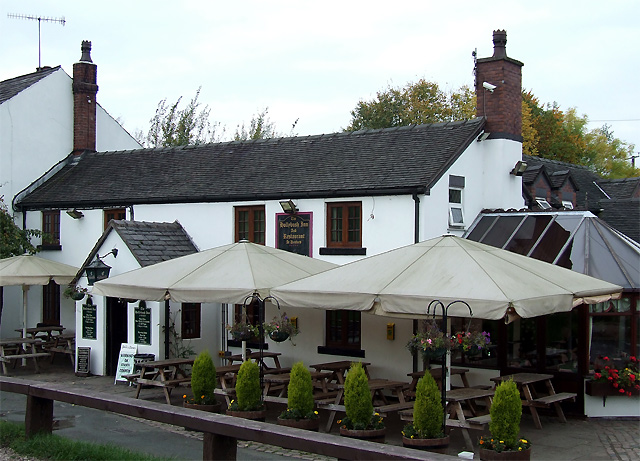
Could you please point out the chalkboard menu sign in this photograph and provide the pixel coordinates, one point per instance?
(142, 324)
(294, 232)
(83, 361)
(89, 320)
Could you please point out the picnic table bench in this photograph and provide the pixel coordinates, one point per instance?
(526, 381)
(165, 374)
(20, 348)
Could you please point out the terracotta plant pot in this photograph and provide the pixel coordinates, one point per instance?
(491, 455)
(372, 435)
(255, 415)
(308, 424)
(438, 445)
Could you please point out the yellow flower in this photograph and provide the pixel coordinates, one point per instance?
(339, 421)
(184, 396)
(316, 412)
(519, 448)
(501, 441)
(202, 396)
(411, 436)
(524, 441)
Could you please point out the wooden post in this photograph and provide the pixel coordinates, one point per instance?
(219, 447)
(39, 417)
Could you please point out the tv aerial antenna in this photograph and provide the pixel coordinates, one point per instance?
(40, 19)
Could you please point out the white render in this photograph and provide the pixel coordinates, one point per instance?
(388, 222)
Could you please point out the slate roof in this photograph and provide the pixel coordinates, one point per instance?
(148, 242)
(588, 194)
(623, 215)
(13, 86)
(620, 188)
(399, 160)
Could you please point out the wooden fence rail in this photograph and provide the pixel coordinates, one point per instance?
(221, 432)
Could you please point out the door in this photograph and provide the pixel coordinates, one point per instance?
(116, 332)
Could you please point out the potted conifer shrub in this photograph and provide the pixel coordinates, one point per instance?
(300, 411)
(248, 402)
(203, 384)
(426, 431)
(505, 441)
(361, 422)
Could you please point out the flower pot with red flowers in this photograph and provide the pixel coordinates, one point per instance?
(505, 442)
(470, 343)
(611, 379)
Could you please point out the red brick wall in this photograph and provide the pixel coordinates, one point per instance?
(84, 106)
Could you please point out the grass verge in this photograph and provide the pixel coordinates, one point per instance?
(53, 447)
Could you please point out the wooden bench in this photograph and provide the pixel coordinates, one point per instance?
(33, 355)
(168, 383)
(384, 409)
(548, 400)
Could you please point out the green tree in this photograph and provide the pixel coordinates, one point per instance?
(413, 104)
(172, 126)
(14, 241)
(260, 127)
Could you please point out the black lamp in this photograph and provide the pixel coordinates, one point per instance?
(288, 206)
(98, 270)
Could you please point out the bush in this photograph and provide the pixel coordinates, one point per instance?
(204, 379)
(428, 413)
(300, 400)
(506, 411)
(357, 399)
(248, 392)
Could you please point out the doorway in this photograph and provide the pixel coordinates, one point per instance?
(116, 332)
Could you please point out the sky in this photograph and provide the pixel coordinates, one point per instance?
(314, 61)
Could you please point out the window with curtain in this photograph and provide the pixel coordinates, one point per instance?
(51, 229)
(190, 327)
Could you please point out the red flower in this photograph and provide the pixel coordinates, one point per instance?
(605, 358)
(629, 394)
(633, 358)
(598, 375)
(632, 376)
(621, 391)
(615, 385)
(610, 378)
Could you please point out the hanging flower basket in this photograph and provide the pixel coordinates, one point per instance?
(471, 343)
(431, 343)
(281, 329)
(242, 331)
(279, 336)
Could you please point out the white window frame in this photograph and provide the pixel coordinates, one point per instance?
(542, 203)
(456, 206)
(568, 204)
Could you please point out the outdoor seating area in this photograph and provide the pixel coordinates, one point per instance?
(39, 342)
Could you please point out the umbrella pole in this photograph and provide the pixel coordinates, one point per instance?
(25, 291)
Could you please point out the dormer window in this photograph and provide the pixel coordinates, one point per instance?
(568, 204)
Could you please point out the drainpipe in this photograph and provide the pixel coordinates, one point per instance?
(167, 319)
(416, 239)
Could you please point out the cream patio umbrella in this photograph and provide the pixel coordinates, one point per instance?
(27, 270)
(401, 283)
(226, 274)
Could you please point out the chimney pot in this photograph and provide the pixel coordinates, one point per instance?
(86, 51)
(499, 43)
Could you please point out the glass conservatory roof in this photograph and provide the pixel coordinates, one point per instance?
(577, 240)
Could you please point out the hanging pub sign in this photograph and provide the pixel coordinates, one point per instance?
(293, 232)
(142, 323)
(89, 319)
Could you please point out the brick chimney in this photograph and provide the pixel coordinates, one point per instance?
(84, 101)
(502, 105)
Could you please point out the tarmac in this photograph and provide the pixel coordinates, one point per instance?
(592, 439)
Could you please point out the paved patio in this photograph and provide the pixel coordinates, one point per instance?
(579, 439)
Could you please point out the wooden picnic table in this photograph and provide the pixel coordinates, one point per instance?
(46, 332)
(63, 343)
(437, 375)
(20, 348)
(526, 381)
(456, 399)
(339, 369)
(377, 387)
(256, 356)
(166, 374)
